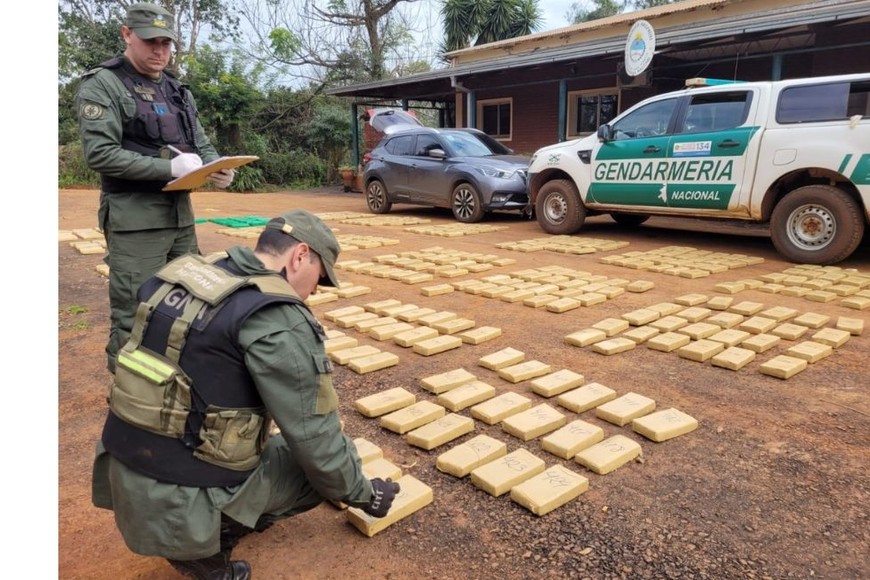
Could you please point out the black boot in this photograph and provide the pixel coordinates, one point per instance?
(232, 531)
(217, 567)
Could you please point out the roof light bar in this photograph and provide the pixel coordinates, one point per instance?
(705, 82)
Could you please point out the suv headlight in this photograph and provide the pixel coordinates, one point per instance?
(497, 173)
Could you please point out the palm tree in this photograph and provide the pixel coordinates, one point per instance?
(475, 22)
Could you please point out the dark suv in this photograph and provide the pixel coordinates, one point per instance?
(465, 170)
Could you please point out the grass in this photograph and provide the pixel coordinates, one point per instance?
(75, 310)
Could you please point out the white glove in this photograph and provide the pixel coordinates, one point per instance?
(185, 163)
(223, 178)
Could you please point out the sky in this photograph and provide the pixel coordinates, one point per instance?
(424, 16)
(554, 13)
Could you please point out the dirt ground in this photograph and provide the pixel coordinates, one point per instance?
(773, 484)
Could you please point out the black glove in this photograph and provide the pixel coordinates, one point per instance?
(383, 494)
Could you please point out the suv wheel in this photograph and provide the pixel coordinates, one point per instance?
(376, 197)
(465, 203)
(558, 207)
(816, 224)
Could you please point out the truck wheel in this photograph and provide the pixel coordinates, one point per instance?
(558, 207)
(465, 203)
(376, 197)
(817, 224)
(629, 219)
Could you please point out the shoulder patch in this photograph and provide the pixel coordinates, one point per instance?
(91, 111)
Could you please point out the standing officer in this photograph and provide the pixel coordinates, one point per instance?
(222, 346)
(130, 111)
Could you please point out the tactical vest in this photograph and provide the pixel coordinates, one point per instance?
(183, 406)
(164, 116)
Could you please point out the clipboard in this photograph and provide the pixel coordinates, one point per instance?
(199, 176)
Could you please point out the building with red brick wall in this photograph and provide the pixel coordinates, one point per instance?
(561, 84)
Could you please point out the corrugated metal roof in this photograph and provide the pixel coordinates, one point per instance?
(615, 20)
(795, 15)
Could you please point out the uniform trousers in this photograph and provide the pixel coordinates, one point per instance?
(133, 257)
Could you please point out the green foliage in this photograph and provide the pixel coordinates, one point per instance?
(285, 44)
(65, 316)
(475, 22)
(248, 178)
(67, 117)
(226, 95)
(72, 171)
(602, 9)
(87, 38)
(297, 168)
(300, 136)
(351, 66)
(642, 4)
(289, 166)
(328, 135)
(596, 9)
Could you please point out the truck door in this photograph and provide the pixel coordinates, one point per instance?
(707, 162)
(623, 169)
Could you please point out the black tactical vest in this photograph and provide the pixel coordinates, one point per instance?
(214, 361)
(164, 116)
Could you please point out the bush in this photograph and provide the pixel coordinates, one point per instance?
(291, 169)
(247, 179)
(296, 168)
(72, 171)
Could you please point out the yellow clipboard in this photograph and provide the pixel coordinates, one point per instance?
(199, 176)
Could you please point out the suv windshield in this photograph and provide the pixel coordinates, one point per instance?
(464, 144)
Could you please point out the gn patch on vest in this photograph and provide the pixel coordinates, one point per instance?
(91, 111)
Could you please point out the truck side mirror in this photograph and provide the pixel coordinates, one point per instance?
(605, 133)
(437, 153)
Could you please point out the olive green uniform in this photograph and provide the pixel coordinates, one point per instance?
(310, 461)
(144, 230)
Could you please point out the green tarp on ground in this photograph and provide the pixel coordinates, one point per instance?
(238, 222)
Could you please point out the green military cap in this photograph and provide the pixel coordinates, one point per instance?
(150, 21)
(307, 227)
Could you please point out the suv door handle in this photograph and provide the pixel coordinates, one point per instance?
(728, 143)
(652, 149)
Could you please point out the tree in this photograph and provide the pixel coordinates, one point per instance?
(602, 9)
(226, 95)
(329, 133)
(475, 22)
(89, 31)
(584, 12)
(86, 39)
(341, 42)
(581, 12)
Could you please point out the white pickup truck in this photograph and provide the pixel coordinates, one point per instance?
(794, 153)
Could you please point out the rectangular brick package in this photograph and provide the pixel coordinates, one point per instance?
(465, 457)
(413, 496)
(608, 455)
(499, 476)
(412, 416)
(440, 431)
(550, 489)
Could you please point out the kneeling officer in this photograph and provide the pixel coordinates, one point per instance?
(221, 347)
